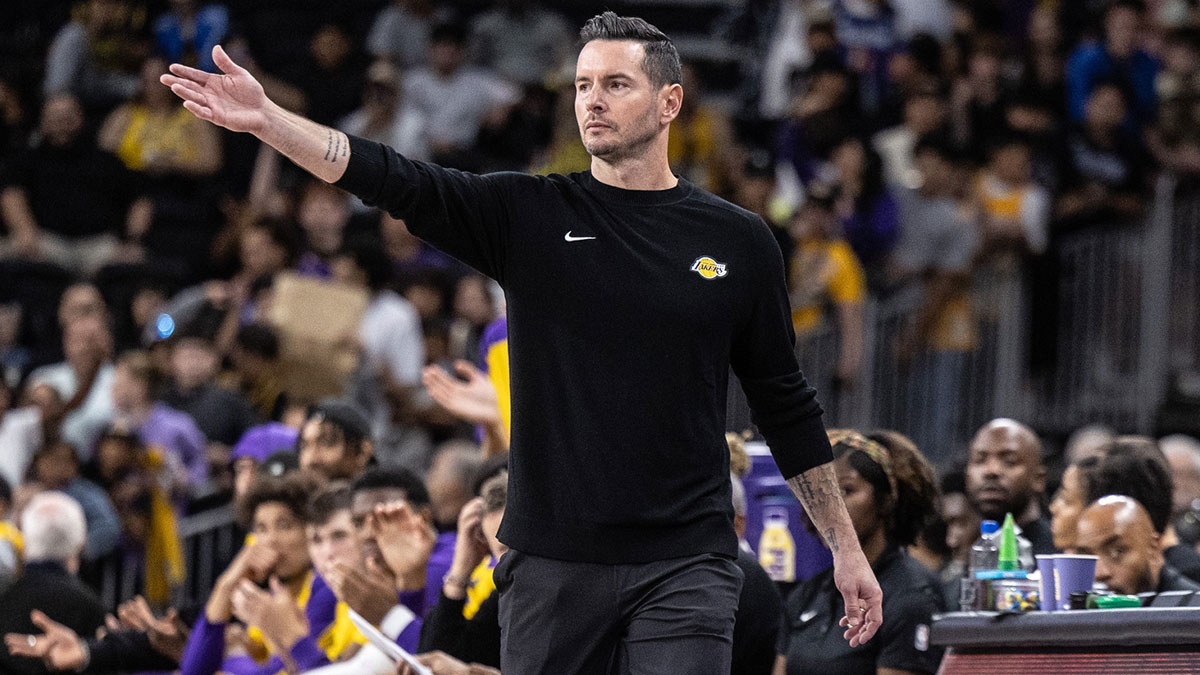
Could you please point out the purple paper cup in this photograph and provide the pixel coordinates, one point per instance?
(1049, 590)
(1073, 574)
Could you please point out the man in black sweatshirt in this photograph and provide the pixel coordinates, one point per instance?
(630, 294)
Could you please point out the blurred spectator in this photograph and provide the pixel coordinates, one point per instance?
(77, 228)
(255, 356)
(56, 467)
(866, 29)
(120, 467)
(886, 521)
(1104, 171)
(393, 353)
(924, 116)
(824, 272)
(1175, 137)
(1069, 501)
(158, 425)
(937, 246)
(12, 544)
(14, 357)
(1044, 66)
(1117, 530)
(187, 32)
(96, 55)
(962, 529)
(400, 33)
(1005, 475)
(1087, 441)
(55, 530)
(1015, 210)
(332, 76)
(779, 31)
(869, 216)
(20, 435)
(1119, 60)
(450, 482)
(254, 448)
(386, 117)
(818, 120)
(927, 17)
(1034, 118)
(563, 153)
(155, 135)
(700, 140)
(521, 40)
(474, 309)
(335, 440)
(456, 99)
(84, 381)
(323, 213)
(14, 120)
(412, 258)
(977, 101)
(1183, 456)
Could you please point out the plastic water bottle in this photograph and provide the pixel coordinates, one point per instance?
(776, 548)
(985, 555)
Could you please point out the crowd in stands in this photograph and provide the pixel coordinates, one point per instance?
(150, 369)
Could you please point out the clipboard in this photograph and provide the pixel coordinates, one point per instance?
(381, 642)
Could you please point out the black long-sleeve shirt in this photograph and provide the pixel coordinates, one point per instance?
(626, 310)
(474, 640)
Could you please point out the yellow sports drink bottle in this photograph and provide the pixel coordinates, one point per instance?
(776, 548)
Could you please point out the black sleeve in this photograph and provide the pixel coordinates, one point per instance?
(904, 636)
(128, 652)
(783, 406)
(462, 214)
(474, 640)
(16, 170)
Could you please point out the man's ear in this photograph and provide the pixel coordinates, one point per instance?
(365, 453)
(672, 101)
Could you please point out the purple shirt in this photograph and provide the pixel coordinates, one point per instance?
(177, 434)
(439, 565)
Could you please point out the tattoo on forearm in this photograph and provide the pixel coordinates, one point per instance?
(346, 148)
(328, 145)
(831, 539)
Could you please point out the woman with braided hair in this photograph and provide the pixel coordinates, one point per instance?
(890, 492)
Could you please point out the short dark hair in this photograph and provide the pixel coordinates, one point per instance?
(368, 255)
(661, 61)
(259, 339)
(291, 489)
(495, 493)
(345, 419)
(333, 498)
(414, 489)
(1133, 466)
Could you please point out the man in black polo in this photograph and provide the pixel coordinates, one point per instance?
(630, 294)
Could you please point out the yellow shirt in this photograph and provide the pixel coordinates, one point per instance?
(497, 363)
(151, 135)
(480, 587)
(823, 271)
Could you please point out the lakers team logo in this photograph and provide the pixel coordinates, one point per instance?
(709, 268)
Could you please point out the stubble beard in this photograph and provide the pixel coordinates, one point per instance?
(642, 133)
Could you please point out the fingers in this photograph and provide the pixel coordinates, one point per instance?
(48, 625)
(112, 623)
(225, 63)
(18, 645)
(467, 369)
(189, 73)
(198, 110)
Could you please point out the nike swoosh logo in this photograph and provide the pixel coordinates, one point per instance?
(568, 237)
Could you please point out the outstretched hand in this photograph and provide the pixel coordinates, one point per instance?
(233, 100)
(474, 400)
(59, 647)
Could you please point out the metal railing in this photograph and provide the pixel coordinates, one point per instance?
(1128, 315)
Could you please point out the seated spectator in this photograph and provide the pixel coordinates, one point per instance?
(412, 258)
(393, 352)
(1175, 137)
(962, 529)
(457, 99)
(15, 358)
(1117, 530)
(474, 308)
(187, 32)
(759, 616)
(465, 622)
(386, 117)
(253, 449)
(824, 272)
(869, 215)
(276, 509)
(886, 518)
(521, 40)
(323, 213)
(1087, 441)
(330, 75)
(84, 381)
(400, 33)
(1006, 474)
(254, 356)
(158, 425)
(1104, 170)
(1015, 210)
(335, 440)
(79, 228)
(450, 483)
(95, 56)
(56, 467)
(54, 528)
(1183, 456)
(1069, 501)
(121, 468)
(1120, 59)
(1134, 466)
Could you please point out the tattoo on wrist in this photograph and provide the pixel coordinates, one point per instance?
(831, 539)
(328, 145)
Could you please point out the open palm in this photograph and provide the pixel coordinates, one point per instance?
(234, 100)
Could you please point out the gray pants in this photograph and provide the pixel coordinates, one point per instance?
(568, 618)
